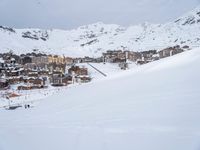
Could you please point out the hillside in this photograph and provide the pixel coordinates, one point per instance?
(93, 39)
(155, 106)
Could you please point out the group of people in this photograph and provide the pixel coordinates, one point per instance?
(26, 106)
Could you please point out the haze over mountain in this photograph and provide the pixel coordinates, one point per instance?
(71, 14)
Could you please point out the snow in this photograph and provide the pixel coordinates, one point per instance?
(25, 97)
(155, 106)
(104, 37)
(110, 69)
(33, 96)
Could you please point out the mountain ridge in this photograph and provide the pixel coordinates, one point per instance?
(93, 39)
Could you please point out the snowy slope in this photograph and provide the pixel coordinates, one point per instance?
(155, 106)
(96, 38)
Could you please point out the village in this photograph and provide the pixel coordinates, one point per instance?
(37, 71)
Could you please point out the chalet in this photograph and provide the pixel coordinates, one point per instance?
(77, 70)
(26, 60)
(87, 59)
(2, 65)
(14, 71)
(29, 87)
(36, 81)
(32, 73)
(82, 79)
(8, 56)
(15, 80)
(30, 66)
(85, 79)
(77, 60)
(10, 61)
(98, 60)
(35, 58)
(32, 83)
(144, 60)
(56, 59)
(170, 51)
(186, 47)
(117, 56)
(155, 57)
(134, 56)
(32, 70)
(69, 61)
(11, 58)
(11, 73)
(43, 73)
(17, 58)
(35, 67)
(52, 67)
(56, 80)
(40, 60)
(60, 80)
(1, 62)
(4, 84)
(148, 54)
(23, 87)
(67, 79)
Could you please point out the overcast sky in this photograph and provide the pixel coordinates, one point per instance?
(68, 14)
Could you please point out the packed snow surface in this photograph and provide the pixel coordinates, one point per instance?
(152, 107)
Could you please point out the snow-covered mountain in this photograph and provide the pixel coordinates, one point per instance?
(96, 38)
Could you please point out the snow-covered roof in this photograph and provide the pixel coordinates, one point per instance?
(1, 60)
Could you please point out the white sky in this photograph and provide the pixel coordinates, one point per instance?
(67, 14)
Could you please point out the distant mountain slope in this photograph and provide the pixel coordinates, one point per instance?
(96, 38)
